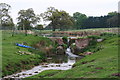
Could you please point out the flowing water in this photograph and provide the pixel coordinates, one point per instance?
(48, 66)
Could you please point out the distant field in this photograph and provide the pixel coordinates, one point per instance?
(93, 29)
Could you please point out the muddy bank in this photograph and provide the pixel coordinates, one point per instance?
(85, 46)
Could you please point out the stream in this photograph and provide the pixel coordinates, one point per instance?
(50, 66)
(71, 59)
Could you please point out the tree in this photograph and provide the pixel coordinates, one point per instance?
(59, 19)
(65, 21)
(51, 15)
(5, 18)
(79, 19)
(113, 13)
(39, 27)
(27, 19)
(113, 21)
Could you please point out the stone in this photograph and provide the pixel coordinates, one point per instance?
(24, 74)
(57, 65)
(88, 53)
(36, 72)
(52, 65)
(60, 50)
(99, 40)
(49, 58)
(44, 66)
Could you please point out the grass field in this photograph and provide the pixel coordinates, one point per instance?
(89, 30)
(0, 52)
(102, 64)
(12, 61)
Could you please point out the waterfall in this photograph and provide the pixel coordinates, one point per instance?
(68, 50)
(51, 66)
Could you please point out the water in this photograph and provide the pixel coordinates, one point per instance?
(70, 54)
(49, 66)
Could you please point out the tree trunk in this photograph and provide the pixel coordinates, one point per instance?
(53, 29)
(25, 32)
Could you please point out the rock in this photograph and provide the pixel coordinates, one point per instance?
(88, 53)
(49, 58)
(60, 50)
(99, 68)
(36, 72)
(24, 74)
(57, 65)
(99, 40)
(52, 65)
(90, 65)
(44, 63)
(59, 47)
(116, 74)
(28, 53)
(44, 66)
(30, 74)
(84, 62)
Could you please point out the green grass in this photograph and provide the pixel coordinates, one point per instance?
(101, 64)
(0, 52)
(11, 60)
(74, 30)
(45, 74)
(106, 59)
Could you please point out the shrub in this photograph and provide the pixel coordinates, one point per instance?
(108, 34)
(94, 37)
(65, 39)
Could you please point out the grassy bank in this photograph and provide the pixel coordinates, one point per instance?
(12, 60)
(101, 64)
(0, 52)
(45, 74)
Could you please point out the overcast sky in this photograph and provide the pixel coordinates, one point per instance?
(88, 7)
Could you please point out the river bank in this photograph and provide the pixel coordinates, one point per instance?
(15, 58)
(101, 64)
(37, 57)
(47, 66)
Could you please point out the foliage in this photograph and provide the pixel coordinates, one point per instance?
(65, 39)
(94, 37)
(65, 46)
(113, 21)
(39, 27)
(113, 13)
(79, 19)
(27, 19)
(106, 34)
(58, 19)
(105, 21)
(5, 18)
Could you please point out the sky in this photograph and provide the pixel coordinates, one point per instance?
(88, 7)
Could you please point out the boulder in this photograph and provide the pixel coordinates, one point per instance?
(88, 53)
(99, 40)
(60, 50)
